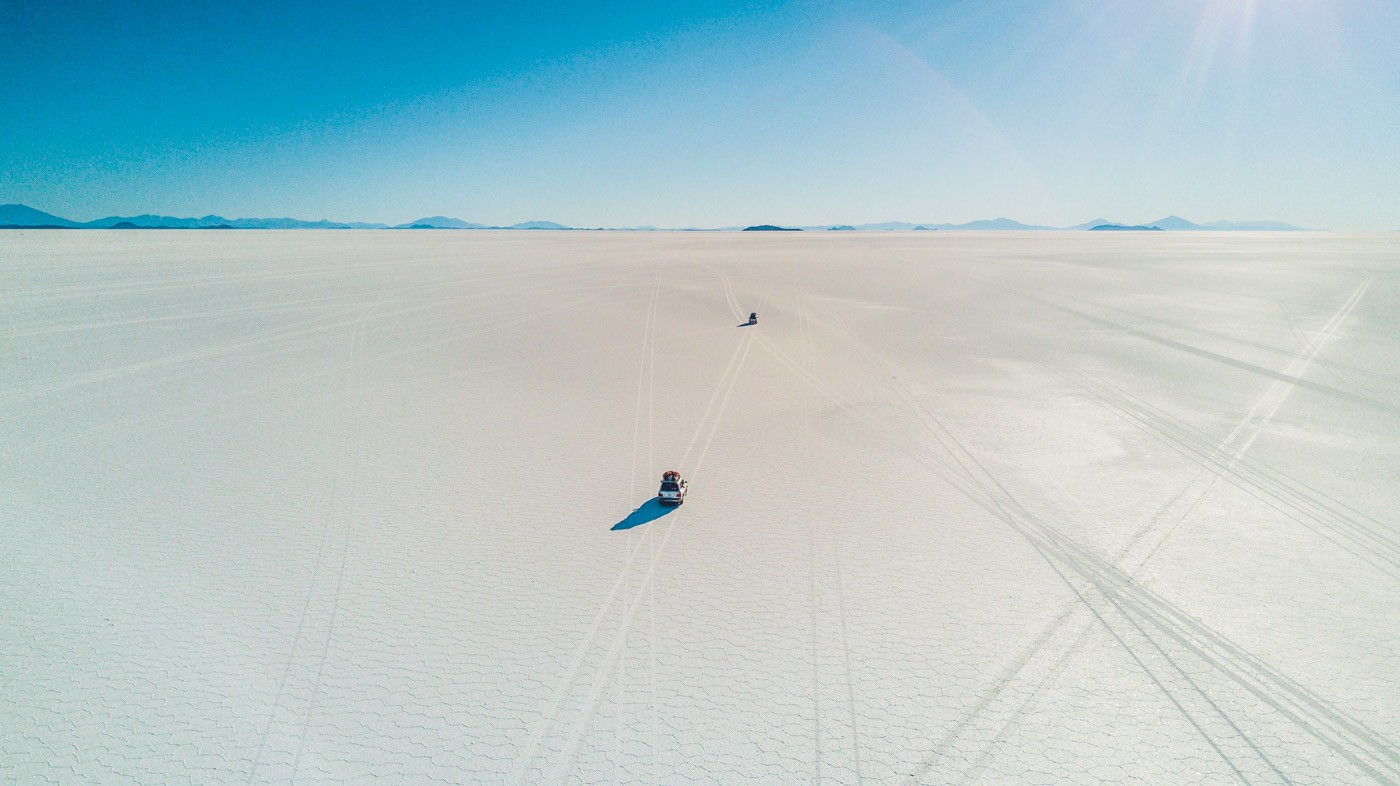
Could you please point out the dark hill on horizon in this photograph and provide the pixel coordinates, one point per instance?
(26, 216)
(18, 216)
(535, 225)
(994, 224)
(440, 222)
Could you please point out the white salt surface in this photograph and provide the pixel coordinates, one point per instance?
(1001, 508)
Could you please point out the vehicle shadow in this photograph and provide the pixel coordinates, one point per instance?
(647, 512)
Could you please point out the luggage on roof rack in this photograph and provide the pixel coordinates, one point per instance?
(673, 488)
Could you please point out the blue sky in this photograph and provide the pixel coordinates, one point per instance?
(707, 113)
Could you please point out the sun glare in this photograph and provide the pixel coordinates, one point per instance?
(1223, 39)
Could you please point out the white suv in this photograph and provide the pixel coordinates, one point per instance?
(673, 489)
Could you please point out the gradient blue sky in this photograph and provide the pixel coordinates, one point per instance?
(700, 113)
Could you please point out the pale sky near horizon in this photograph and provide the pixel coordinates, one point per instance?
(699, 113)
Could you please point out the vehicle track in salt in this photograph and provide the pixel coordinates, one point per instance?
(353, 399)
(1344, 374)
(1213, 335)
(1222, 460)
(1116, 592)
(163, 416)
(326, 522)
(1136, 606)
(567, 684)
(357, 372)
(278, 335)
(129, 319)
(818, 447)
(21, 297)
(1255, 420)
(1317, 387)
(811, 450)
(717, 405)
(859, 414)
(646, 380)
(1361, 535)
(1270, 401)
(545, 727)
(651, 590)
(355, 391)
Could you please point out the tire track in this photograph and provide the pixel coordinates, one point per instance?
(604, 671)
(935, 427)
(17, 297)
(310, 326)
(648, 358)
(1112, 594)
(978, 482)
(546, 725)
(1283, 377)
(1364, 537)
(604, 674)
(1342, 373)
(129, 320)
(351, 381)
(728, 285)
(1223, 459)
(163, 415)
(1096, 581)
(813, 447)
(819, 446)
(310, 590)
(362, 406)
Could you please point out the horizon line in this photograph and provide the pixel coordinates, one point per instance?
(441, 221)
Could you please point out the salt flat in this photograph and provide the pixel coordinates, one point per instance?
(1002, 508)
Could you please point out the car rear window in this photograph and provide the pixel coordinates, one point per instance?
(670, 485)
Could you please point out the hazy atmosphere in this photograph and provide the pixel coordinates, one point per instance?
(707, 113)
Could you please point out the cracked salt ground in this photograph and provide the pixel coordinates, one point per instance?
(969, 508)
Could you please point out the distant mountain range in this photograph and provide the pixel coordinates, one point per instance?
(1179, 224)
(25, 217)
(1170, 224)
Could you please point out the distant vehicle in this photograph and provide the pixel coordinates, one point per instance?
(753, 317)
(673, 488)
